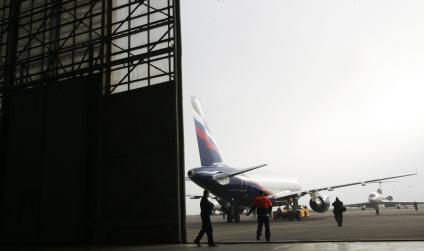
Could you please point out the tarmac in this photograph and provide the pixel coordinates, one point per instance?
(327, 246)
(358, 225)
(393, 230)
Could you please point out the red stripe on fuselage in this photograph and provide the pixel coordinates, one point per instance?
(263, 188)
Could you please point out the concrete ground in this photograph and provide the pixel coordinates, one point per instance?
(327, 246)
(391, 224)
(393, 230)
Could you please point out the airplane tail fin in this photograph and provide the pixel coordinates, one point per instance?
(208, 149)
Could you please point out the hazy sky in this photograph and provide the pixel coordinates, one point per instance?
(328, 91)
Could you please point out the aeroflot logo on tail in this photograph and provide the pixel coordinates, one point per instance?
(201, 133)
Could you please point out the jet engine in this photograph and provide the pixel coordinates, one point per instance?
(320, 204)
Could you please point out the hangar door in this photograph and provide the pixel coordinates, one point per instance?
(139, 175)
(81, 168)
(91, 124)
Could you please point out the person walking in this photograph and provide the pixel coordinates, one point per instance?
(338, 211)
(377, 209)
(263, 206)
(416, 206)
(205, 212)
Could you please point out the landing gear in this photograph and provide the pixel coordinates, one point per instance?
(233, 214)
(229, 218)
(237, 218)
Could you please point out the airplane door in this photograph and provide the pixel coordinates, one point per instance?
(243, 187)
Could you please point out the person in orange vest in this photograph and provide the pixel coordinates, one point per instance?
(263, 207)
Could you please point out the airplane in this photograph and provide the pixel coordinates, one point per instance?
(235, 190)
(377, 200)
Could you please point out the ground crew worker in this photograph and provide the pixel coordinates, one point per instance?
(205, 213)
(338, 211)
(416, 206)
(263, 207)
(377, 209)
(279, 212)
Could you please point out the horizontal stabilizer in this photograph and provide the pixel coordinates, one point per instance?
(195, 197)
(231, 174)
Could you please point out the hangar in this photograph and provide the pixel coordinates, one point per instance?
(91, 122)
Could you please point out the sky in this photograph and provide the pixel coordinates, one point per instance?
(328, 91)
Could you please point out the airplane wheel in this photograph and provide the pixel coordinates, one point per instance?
(229, 218)
(237, 218)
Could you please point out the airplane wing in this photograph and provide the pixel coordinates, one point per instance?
(386, 204)
(284, 195)
(402, 203)
(231, 174)
(367, 205)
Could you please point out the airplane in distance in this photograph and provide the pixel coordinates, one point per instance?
(376, 200)
(235, 190)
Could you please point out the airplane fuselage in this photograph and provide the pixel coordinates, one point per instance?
(240, 190)
(375, 198)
